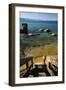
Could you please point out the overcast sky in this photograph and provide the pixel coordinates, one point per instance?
(39, 16)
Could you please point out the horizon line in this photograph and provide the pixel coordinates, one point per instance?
(37, 19)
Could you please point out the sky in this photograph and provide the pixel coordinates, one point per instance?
(39, 16)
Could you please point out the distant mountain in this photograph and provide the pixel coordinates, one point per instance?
(31, 20)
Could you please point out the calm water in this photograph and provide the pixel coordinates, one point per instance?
(34, 26)
(42, 38)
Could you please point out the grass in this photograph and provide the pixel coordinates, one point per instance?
(50, 49)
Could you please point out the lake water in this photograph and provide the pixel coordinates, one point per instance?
(43, 38)
(34, 26)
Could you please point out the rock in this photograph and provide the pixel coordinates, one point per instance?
(44, 30)
(53, 34)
